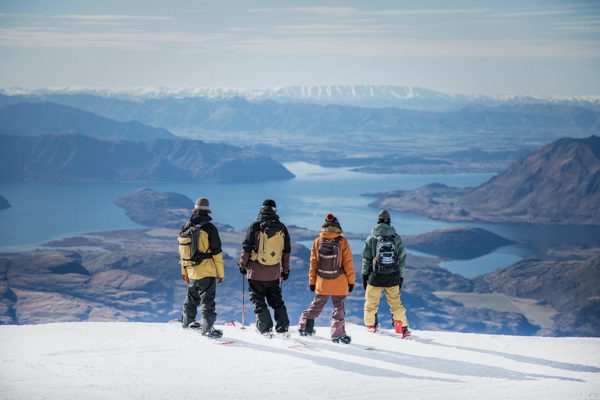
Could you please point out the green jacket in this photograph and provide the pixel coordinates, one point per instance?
(370, 250)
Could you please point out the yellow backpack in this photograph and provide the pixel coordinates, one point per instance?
(269, 248)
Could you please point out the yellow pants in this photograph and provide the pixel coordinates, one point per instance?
(392, 295)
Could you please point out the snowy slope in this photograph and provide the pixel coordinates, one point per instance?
(162, 361)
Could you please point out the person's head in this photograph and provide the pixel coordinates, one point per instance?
(331, 224)
(201, 206)
(268, 209)
(384, 217)
(270, 203)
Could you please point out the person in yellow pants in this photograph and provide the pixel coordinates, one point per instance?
(383, 262)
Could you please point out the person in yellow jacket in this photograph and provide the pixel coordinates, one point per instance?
(203, 271)
(331, 274)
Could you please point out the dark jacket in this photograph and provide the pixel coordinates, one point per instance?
(370, 250)
(256, 270)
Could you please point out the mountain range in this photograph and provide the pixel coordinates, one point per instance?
(195, 115)
(558, 184)
(34, 119)
(79, 158)
(408, 97)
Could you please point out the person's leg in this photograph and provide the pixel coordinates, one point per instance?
(207, 288)
(392, 295)
(264, 323)
(307, 319)
(190, 306)
(372, 295)
(275, 301)
(338, 325)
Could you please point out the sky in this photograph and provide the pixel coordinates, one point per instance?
(469, 47)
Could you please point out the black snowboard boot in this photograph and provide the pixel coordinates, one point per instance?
(193, 325)
(342, 339)
(309, 329)
(213, 333)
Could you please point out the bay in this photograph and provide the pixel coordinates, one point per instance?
(42, 212)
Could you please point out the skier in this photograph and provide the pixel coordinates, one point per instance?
(201, 260)
(265, 257)
(331, 274)
(383, 260)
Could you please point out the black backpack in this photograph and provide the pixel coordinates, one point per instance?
(189, 251)
(385, 261)
(328, 258)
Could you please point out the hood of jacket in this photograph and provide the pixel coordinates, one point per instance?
(328, 234)
(200, 218)
(383, 230)
(267, 214)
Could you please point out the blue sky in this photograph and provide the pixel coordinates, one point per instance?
(473, 47)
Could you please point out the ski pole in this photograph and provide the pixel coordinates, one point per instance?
(243, 301)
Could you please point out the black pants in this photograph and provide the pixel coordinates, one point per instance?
(271, 291)
(201, 293)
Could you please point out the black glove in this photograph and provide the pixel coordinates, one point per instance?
(365, 279)
(285, 275)
(312, 288)
(401, 280)
(350, 288)
(243, 270)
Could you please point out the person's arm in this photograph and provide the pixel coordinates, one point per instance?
(312, 272)
(214, 243)
(367, 258)
(287, 252)
(401, 254)
(348, 261)
(367, 261)
(247, 246)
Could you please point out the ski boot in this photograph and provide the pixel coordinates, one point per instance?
(405, 332)
(309, 328)
(342, 339)
(213, 333)
(372, 328)
(398, 327)
(282, 335)
(195, 325)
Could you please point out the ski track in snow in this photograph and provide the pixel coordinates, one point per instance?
(111, 360)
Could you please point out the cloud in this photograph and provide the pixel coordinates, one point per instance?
(110, 18)
(353, 44)
(355, 12)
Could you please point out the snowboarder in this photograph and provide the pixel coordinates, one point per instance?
(331, 274)
(383, 260)
(265, 257)
(201, 260)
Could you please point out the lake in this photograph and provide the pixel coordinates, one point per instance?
(41, 212)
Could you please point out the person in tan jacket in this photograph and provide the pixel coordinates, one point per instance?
(331, 274)
(202, 272)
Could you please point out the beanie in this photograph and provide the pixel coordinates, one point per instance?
(384, 217)
(201, 204)
(332, 221)
(269, 203)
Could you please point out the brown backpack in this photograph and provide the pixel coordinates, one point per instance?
(328, 258)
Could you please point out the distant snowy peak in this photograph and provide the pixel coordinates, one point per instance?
(409, 97)
(355, 93)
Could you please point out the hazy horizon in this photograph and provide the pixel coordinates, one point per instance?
(539, 48)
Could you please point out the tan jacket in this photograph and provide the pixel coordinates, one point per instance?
(211, 267)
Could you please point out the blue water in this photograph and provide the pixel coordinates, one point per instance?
(41, 212)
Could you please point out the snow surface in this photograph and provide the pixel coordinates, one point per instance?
(106, 360)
